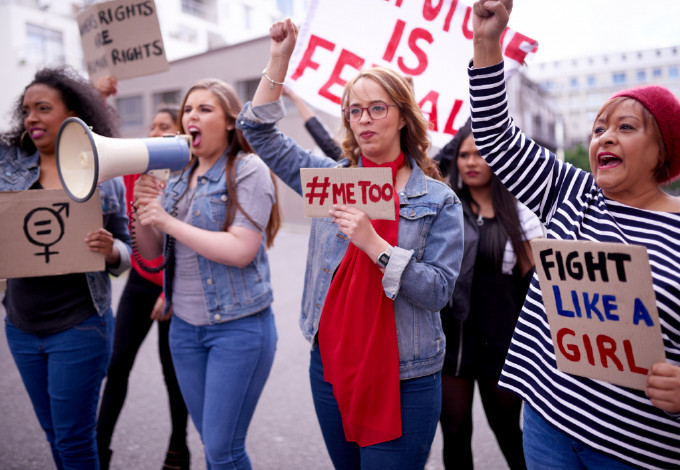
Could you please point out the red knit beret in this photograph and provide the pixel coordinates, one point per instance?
(665, 108)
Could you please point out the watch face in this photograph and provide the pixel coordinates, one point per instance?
(383, 259)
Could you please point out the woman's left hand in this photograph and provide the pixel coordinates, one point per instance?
(663, 386)
(101, 241)
(152, 213)
(356, 225)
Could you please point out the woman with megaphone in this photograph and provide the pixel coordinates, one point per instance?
(61, 338)
(216, 220)
(141, 303)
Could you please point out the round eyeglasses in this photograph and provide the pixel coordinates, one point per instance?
(375, 111)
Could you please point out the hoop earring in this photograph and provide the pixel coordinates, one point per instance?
(21, 141)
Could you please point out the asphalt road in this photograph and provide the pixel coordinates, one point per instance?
(284, 434)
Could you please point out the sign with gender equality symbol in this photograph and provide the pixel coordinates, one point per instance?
(43, 231)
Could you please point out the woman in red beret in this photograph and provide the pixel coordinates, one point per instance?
(572, 421)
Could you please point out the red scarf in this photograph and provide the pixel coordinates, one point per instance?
(358, 339)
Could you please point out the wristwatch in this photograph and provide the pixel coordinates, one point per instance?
(384, 258)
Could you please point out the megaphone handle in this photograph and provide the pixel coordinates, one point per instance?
(162, 174)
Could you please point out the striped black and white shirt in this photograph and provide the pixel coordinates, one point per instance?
(615, 420)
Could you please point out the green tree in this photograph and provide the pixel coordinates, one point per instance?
(578, 156)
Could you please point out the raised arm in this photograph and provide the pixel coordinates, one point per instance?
(283, 37)
(489, 20)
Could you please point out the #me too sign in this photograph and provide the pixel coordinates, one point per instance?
(368, 189)
(122, 38)
(601, 308)
(430, 40)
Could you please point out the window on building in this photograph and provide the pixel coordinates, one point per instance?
(166, 97)
(246, 89)
(44, 45)
(199, 8)
(591, 81)
(247, 16)
(673, 72)
(619, 77)
(130, 111)
(573, 83)
(641, 75)
(285, 7)
(657, 73)
(184, 33)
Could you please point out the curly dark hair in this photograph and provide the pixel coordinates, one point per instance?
(79, 97)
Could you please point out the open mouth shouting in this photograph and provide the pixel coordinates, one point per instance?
(607, 160)
(196, 137)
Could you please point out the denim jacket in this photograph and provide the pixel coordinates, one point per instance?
(422, 269)
(19, 172)
(229, 292)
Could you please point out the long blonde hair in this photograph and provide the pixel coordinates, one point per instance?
(414, 140)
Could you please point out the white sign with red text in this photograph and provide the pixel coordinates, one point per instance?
(430, 40)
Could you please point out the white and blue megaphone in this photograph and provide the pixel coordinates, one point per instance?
(85, 159)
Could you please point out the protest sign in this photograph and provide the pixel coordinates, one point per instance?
(601, 308)
(122, 38)
(368, 189)
(430, 40)
(43, 232)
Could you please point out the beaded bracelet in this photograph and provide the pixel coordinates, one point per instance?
(271, 82)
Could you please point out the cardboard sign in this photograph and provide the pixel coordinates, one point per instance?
(430, 41)
(122, 38)
(368, 189)
(601, 308)
(42, 233)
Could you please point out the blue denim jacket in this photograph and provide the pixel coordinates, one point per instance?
(19, 172)
(423, 268)
(230, 292)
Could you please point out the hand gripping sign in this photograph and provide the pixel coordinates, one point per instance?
(601, 308)
(368, 189)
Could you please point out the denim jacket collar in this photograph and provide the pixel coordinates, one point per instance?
(213, 174)
(416, 185)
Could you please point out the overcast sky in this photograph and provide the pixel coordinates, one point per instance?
(576, 28)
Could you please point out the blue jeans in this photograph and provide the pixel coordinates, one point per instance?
(421, 402)
(545, 446)
(221, 370)
(63, 374)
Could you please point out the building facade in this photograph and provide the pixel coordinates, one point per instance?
(578, 87)
(39, 33)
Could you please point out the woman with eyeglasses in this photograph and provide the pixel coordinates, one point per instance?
(373, 288)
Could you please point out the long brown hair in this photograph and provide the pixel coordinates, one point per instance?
(504, 203)
(231, 105)
(414, 140)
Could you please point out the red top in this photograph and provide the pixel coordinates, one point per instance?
(156, 278)
(358, 340)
